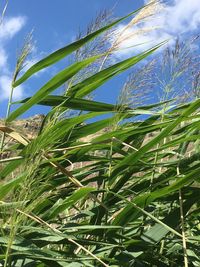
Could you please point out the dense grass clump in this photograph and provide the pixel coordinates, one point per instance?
(117, 191)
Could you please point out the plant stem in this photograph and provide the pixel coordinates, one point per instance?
(3, 12)
(182, 225)
(7, 114)
(183, 230)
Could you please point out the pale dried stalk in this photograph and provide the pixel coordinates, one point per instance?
(127, 145)
(147, 214)
(152, 8)
(56, 165)
(182, 225)
(40, 221)
(3, 12)
(81, 145)
(88, 252)
(138, 32)
(10, 159)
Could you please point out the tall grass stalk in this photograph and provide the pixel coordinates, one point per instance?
(24, 53)
(80, 191)
(147, 12)
(3, 12)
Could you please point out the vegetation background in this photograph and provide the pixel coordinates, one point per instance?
(99, 184)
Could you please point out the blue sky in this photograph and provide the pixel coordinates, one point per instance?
(56, 23)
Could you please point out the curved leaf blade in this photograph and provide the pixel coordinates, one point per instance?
(59, 79)
(65, 51)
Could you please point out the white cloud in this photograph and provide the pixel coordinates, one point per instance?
(3, 58)
(181, 17)
(8, 29)
(31, 60)
(5, 85)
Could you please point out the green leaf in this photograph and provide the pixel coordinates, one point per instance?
(157, 232)
(8, 186)
(74, 103)
(90, 84)
(51, 85)
(63, 205)
(134, 157)
(65, 51)
(9, 168)
(128, 213)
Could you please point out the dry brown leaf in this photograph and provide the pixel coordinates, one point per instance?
(15, 135)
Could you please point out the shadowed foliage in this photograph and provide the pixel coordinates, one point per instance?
(93, 191)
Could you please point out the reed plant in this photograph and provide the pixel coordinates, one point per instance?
(82, 193)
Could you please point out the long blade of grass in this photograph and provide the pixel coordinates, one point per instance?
(98, 79)
(63, 52)
(51, 85)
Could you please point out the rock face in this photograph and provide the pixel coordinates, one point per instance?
(34, 123)
(26, 127)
